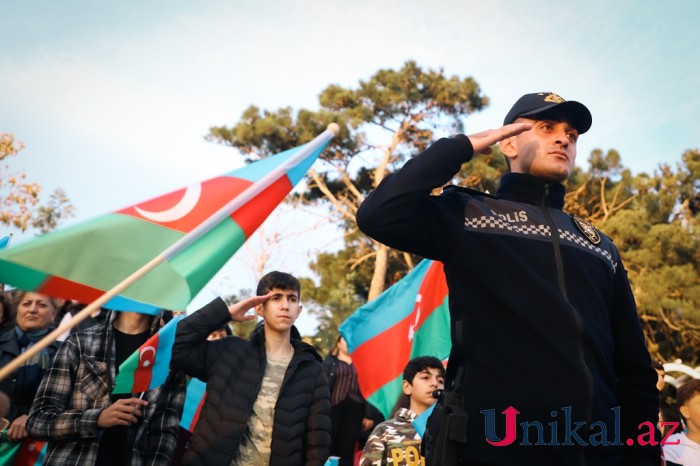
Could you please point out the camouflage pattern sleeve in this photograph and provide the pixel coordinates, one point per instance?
(374, 453)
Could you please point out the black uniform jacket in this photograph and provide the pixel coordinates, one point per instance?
(542, 315)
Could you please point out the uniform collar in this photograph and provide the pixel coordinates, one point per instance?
(521, 187)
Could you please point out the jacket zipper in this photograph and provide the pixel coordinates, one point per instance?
(577, 317)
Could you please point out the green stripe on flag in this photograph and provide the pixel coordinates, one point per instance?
(199, 262)
(118, 240)
(124, 381)
(431, 339)
(21, 276)
(433, 336)
(385, 398)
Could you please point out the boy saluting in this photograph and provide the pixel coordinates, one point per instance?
(267, 399)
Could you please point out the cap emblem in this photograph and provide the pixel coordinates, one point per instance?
(552, 97)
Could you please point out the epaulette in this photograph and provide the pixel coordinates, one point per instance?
(462, 189)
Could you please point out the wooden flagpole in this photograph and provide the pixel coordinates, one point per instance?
(170, 252)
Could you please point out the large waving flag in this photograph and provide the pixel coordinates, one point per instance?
(148, 367)
(196, 230)
(409, 319)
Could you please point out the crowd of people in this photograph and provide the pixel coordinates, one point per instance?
(285, 407)
(527, 283)
(296, 415)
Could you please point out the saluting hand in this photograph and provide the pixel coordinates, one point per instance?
(239, 309)
(482, 142)
(121, 413)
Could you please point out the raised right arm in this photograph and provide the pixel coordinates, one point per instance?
(402, 214)
(191, 348)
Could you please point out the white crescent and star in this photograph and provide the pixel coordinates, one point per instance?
(179, 210)
(143, 352)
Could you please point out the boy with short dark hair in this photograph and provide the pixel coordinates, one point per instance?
(683, 449)
(267, 398)
(396, 441)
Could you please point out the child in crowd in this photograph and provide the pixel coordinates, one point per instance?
(395, 442)
(267, 399)
(683, 449)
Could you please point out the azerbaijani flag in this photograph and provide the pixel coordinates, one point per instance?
(31, 453)
(194, 400)
(28, 452)
(409, 319)
(148, 367)
(194, 230)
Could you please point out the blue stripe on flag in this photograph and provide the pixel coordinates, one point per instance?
(166, 339)
(122, 303)
(385, 311)
(195, 392)
(255, 171)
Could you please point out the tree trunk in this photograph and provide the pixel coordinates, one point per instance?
(379, 276)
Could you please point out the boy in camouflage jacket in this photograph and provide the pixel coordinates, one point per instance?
(395, 442)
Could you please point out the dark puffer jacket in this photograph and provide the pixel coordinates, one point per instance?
(233, 369)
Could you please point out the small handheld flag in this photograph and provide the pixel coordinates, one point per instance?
(148, 367)
(194, 400)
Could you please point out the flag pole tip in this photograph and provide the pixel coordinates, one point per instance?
(334, 127)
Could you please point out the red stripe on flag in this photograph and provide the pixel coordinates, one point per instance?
(29, 452)
(384, 357)
(433, 290)
(195, 417)
(251, 215)
(68, 289)
(215, 193)
(144, 370)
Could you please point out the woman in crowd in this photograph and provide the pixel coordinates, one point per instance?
(348, 416)
(34, 315)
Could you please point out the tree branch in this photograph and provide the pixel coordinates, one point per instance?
(321, 185)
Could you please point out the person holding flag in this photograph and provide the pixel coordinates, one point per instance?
(84, 422)
(533, 292)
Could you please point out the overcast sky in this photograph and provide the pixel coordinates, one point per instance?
(113, 99)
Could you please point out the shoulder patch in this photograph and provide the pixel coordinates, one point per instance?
(462, 189)
(587, 229)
